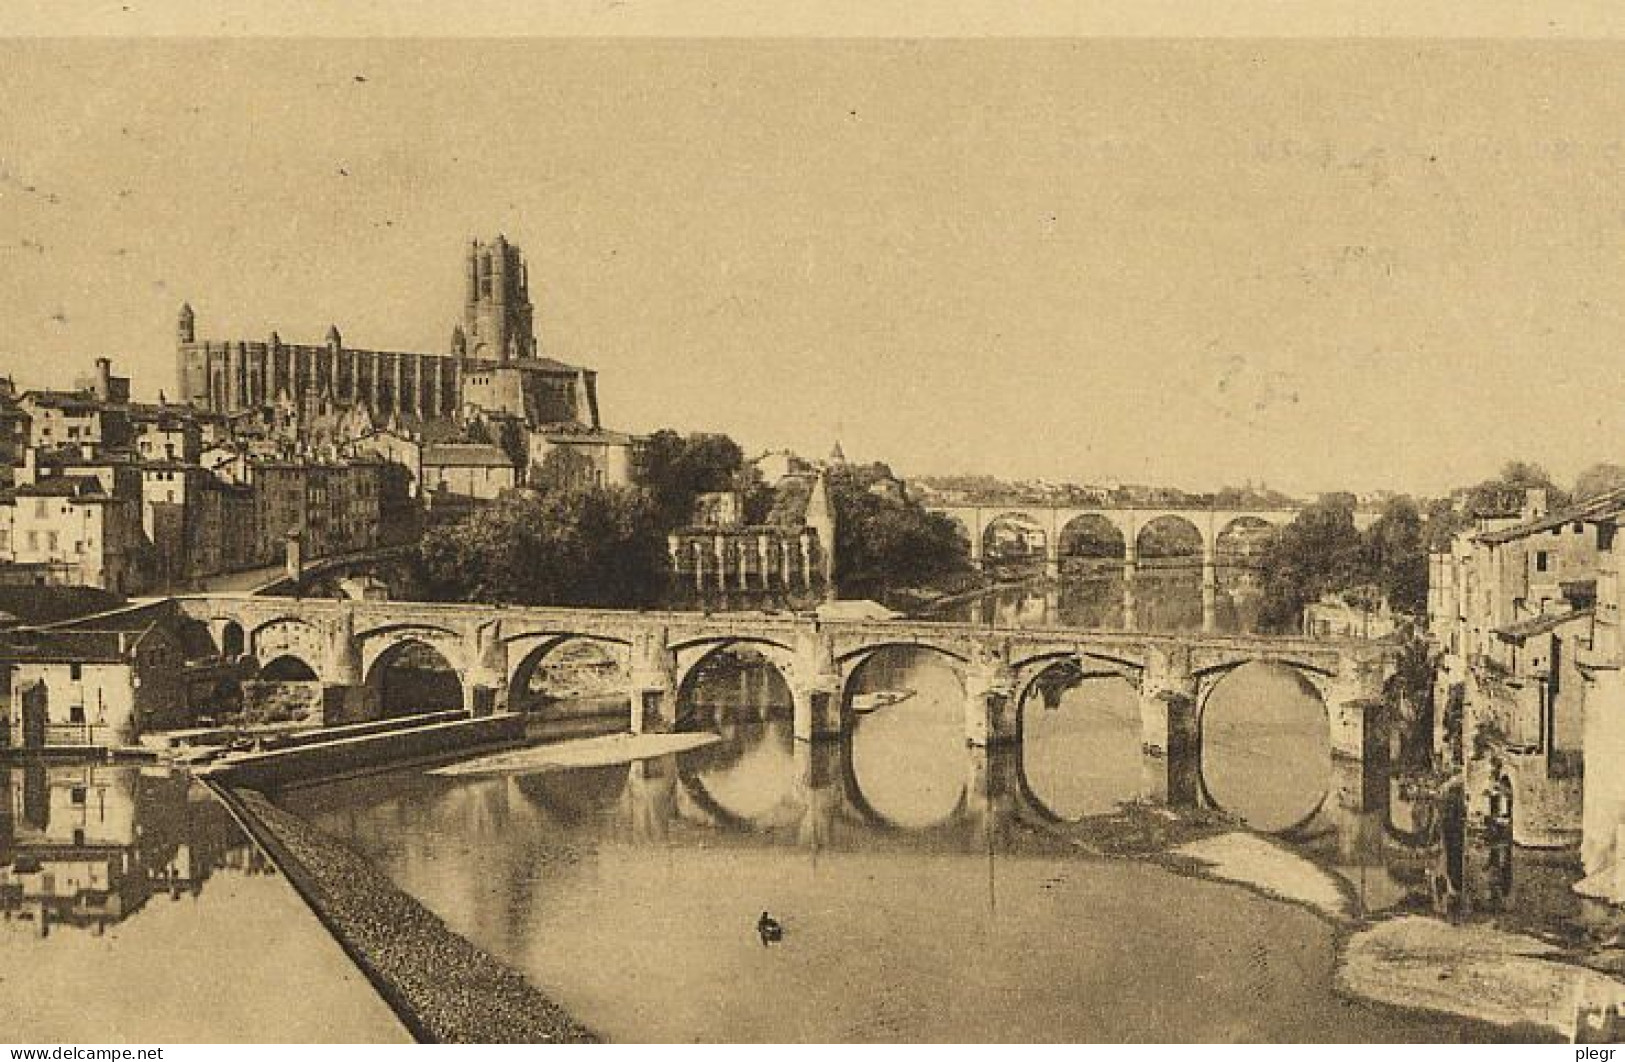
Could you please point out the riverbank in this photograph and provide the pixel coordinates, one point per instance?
(1474, 970)
(444, 988)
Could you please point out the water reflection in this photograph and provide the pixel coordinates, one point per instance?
(1266, 747)
(906, 909)
(1081, 742)
(908, 737)
(1098, 597)
(135, 909)
(88, 845)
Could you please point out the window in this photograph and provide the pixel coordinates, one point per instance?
(1579, 528)
(76, 713)
(76, 671)
(77, 794)
(1540, 561)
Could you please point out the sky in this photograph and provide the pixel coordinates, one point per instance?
(1315, 264)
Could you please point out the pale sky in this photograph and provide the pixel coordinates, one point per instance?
(1357, 264)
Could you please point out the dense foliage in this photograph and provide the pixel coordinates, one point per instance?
(1322, 551)
(885, 540)
(574, 546)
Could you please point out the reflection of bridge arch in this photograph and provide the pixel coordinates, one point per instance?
(1210, 681)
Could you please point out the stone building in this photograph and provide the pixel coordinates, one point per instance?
(91, 689)
(786, 560)
(1512, 608)
(493, 369)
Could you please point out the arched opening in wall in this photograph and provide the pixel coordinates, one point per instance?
(572, 678)
(1081, 741)
(412, 677)
(1168, 538)
(286, 689)
(1266, 746)
(738, 693)
(231, 640)
(1242, 542)
(1090, 544)
(1013, 540)
(907, 706)
(287, 668)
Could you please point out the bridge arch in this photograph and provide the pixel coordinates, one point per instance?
(601, 666)
(1014, 535)
(287, 668)
(375, 642)
(1092, 536)
(232, 639)
(701, 659)
(289, 636)
(1243, 536)
(1168, 535)
(412, 676)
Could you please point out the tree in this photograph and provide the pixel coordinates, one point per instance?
(1319, 551)
(1600, 478)
(1394, 556)
(676, 469)
(1507, 492)
(588, 546)
(885, 541)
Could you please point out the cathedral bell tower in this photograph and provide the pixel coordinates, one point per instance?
(498, 320)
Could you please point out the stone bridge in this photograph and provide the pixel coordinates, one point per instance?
(1055, 521)
(492, 650)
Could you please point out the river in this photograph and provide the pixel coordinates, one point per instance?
(928, 891)
(134, 910)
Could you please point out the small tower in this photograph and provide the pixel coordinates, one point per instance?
(459, 342)
(335, 342)
(186, 325)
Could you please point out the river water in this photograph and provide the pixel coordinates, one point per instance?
(928, 891)
(134, 910)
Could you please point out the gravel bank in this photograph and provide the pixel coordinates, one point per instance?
(444, 988)
(1473, 970)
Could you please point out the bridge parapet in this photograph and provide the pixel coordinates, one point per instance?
(344, 640)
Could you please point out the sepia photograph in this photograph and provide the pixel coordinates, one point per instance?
(633, 523)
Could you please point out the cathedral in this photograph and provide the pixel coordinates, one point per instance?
(492, 369)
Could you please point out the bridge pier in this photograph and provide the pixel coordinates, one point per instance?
(1052, 557)
(815, 688)
(1170, 738)
(1355, 704)
(1210, 582)
(992, 713)
(346, 698)
(652, 689)
(485, 688)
